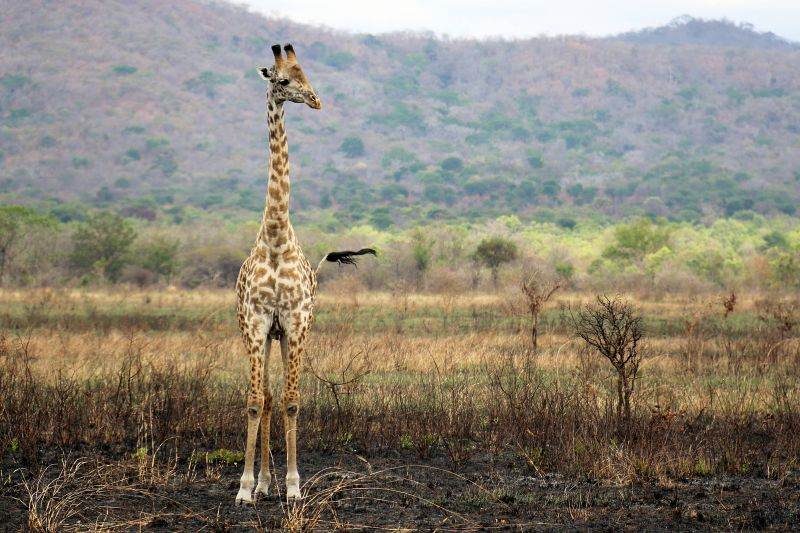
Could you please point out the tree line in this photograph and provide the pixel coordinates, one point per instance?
(107, 248)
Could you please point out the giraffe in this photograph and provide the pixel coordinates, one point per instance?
(276, 288)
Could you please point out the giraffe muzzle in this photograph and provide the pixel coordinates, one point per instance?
(313, 102)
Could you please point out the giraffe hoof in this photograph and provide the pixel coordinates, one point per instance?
(262, 491)
(292, 494)
(244, 496)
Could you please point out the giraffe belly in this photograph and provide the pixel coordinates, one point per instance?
(277, 289)
(279, 299)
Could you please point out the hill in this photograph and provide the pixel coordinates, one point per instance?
(686, 30)
(156, 109)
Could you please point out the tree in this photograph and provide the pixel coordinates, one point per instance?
(16, 223)
(774, 239)
(637, 239)
(452, 164)
(422, 250)
(101, 244)
(537, 292)
(381, 218)
(493, 252)
(352, 147)
(158, 255)
(785, 268)
(613, 328)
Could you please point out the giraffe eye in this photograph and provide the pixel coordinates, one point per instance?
(284, 82)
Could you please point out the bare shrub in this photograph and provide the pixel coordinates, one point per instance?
(141, 277)
(212, 266)
(676, 281)
(442, 279)
(351, 363)
(728, 303)
(613, 328)
(537, 291)
(781, 317)
(697, 332)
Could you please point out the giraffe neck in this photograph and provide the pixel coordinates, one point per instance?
(275, 228)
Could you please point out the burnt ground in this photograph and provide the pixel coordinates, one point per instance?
(350, 493)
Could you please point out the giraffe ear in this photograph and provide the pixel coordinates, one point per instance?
(265, 73)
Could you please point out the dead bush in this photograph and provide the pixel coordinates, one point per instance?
(537, 290)
(613, 328)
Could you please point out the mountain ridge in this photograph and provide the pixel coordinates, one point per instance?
(157, 108)
(686, 30)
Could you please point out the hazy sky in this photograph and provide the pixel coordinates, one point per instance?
(529, 18)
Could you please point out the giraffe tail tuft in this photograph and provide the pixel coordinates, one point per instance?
(345, 258)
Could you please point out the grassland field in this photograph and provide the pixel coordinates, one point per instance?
(418, 411)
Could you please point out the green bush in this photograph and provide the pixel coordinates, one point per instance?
(439, 193)
(12, 81)
(69, 212)
(339, 60)
(123, 70)
(101, 245)
(212, 266)
(493, 252)
(158, 255)
(15, 116)
(155, 142)
(401, 115)
(352, 147)
(16, 222)
(397, 155)
(208, 82)
(381, 218)
(638, 238)
(452, 164)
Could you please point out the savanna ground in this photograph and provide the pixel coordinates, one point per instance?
(125, 410)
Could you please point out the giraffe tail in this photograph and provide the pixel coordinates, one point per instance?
(344, 258)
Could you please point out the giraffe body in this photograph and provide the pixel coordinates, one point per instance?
(275, 290)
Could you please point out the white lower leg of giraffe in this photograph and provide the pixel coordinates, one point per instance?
(247, 482)
(264, 477)
(255, 405)
(245, 494)
(291, 406)
(262, 489)
(292, 476)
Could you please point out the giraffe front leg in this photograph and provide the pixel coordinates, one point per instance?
(264, 477)
(292, 351)
(291, 401)
(255, 406)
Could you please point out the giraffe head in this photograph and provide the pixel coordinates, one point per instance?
(287, 79)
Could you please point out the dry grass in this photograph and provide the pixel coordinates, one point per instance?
(161, 375)
(75, 498)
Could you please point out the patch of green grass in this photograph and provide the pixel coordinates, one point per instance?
(140, 454)
(228, 457)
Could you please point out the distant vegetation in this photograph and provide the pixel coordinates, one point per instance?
(693, 121)
(69, 247)
(662, 159)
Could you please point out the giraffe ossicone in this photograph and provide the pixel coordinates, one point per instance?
(276, 288)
